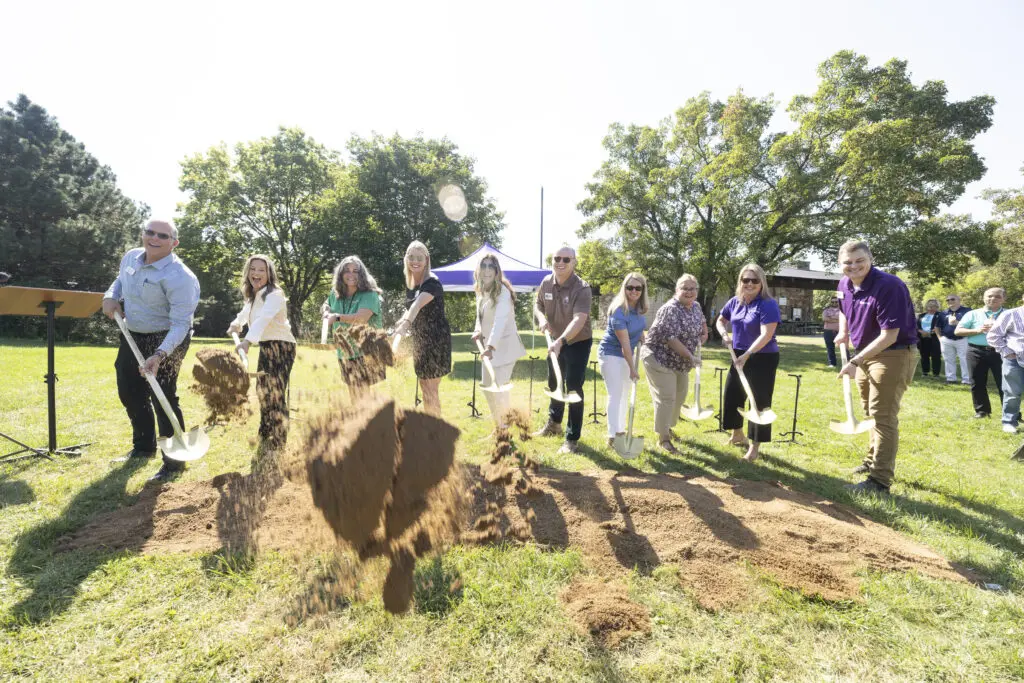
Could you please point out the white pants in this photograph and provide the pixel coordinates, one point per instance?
(498, 402)
(951, 350)
(615, 371)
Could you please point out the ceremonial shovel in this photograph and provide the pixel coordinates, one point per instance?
(559, 394)
(850, 426)
(627, 445)
(695, 412)
(493, 386)
(181, 446)
(754, 415)
(245, 358)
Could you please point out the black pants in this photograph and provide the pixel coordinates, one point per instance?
(276, 360)
(136, 396)
(982, 360)
(760, 371)
(830, 346)
(572, 361)
(931, 355)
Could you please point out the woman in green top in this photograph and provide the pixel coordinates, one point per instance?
(354, 300)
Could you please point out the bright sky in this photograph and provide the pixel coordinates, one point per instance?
(527, 88)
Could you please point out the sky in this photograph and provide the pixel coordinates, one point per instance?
(528, 88)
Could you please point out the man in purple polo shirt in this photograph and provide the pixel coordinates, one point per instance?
(877, 317)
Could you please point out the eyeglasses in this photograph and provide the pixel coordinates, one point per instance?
(634, 288)
(950, 300)
(153, 233)
(690, 289)
(562, 259)
(488, 266)
(750, 280)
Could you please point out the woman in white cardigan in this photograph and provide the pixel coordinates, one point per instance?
(496, 327)
(266, 313)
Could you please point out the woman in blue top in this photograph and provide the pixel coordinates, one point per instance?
(625, 330)
(753, 315)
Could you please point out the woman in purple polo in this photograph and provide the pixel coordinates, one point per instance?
(877, 319)
(753, 315)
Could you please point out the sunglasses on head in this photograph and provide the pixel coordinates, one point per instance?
(634, 288)
(562, 259)
(153, 233)
(750, 280)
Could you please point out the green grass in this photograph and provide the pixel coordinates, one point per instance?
(89, 615)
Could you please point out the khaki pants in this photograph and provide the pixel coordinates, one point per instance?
(882, 381)
(668, 392)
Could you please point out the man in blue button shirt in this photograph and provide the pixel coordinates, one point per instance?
(954, 348)
(160, 295)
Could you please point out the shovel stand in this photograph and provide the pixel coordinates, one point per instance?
(796, 405)
(473, 412)
(720, 372)
(594, 414)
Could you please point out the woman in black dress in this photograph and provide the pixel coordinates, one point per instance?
(426, 323)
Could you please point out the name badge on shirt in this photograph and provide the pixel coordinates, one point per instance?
(840, 295)
(130, 270)
(566, 300)
(548, 296)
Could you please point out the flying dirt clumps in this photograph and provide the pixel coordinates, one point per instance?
(387, 484)
(223, 383)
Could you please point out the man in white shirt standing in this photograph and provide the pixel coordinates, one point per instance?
(159, 295)
(1007, 338)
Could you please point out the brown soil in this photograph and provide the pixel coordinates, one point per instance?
(374, 343)
(605, 611)
(222, 382)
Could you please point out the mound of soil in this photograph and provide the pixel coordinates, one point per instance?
(222, 382)
(605, 611)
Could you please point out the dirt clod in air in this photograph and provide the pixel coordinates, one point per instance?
(605, 611)
(222, 382)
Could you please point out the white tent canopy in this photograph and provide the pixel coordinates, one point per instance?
(458, 276)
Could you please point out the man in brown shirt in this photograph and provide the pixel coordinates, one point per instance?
(562, 309)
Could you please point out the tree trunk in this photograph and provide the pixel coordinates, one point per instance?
(295, 316)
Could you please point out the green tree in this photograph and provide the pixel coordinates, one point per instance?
(602, 262)
(872, 155)
(270, 196)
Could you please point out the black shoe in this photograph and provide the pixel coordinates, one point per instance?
(978, 415)
(167, 473)
(861, 469)
(134, 453)
(869, 485)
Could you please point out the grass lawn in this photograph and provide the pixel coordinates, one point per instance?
(89, 614)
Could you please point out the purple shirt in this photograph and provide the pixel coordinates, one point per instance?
(747, 319)
(881, 303)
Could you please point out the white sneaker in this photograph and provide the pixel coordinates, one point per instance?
(1009, 429)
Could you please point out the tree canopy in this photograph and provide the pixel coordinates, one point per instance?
(871, 156)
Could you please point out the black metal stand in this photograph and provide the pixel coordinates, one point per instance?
(473, 412)
(595, 414)
(416, 400)
(796, 405)
(720, 372)
(50, 378)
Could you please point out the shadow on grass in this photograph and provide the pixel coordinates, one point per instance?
(56, 576)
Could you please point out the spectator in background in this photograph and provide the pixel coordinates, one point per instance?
(953, 347)
(1007, 338)
(830, 320)
(981, 357)
(928, 338)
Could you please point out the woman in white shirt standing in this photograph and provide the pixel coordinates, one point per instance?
(496, 328)
(266, 313)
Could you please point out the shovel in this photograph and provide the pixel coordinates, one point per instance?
(695, 412)
(245, 358)
(559, 393)
(627, 445)
(493, 386)
(182, 447)
(754, 415)
(850, 425)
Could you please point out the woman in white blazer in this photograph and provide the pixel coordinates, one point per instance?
(496, 328)
(266, 313)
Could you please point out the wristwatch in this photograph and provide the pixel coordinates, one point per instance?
(161, 353)
(855, 362)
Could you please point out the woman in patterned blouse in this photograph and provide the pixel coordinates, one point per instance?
(678, 329)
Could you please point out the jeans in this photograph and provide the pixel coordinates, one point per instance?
(1013, 385)
(572, 361)
(830, 346)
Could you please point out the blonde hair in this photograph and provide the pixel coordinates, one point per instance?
(620, 299)
(248, 293)
(414, 246)
(686, 277)
(759, 272)
(499, 280)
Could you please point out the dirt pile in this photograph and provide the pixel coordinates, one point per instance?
(222, 382)
(605, 611)
(709, 528)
